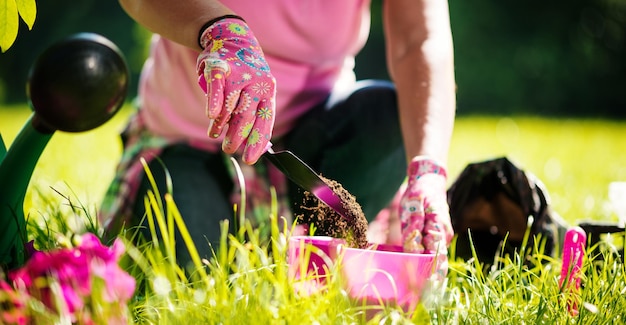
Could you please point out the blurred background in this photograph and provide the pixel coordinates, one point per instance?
(549, 58)
(542, 82)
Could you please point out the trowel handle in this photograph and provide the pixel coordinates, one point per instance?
(16, 168)
(573, 253)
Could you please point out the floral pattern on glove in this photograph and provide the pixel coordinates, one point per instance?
(424, 212)
(239, 86)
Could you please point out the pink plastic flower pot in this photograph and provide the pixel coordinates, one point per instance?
(385, 274)
(380, 274)
(311, 257)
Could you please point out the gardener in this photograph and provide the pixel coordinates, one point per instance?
(241, 73)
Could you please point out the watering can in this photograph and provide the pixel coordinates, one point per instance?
(75, 85)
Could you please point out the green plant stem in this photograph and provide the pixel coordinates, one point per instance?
(15, 172)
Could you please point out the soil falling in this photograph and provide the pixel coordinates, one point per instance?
(327, 222)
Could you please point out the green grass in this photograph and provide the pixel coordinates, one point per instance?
(82, 163)
(247, 282)
(575, 159)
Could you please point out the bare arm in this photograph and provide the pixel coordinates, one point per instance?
(177, 20)
(421, 63)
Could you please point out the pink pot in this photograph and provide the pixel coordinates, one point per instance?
(379, 274)
(385, 274)
(311, 257)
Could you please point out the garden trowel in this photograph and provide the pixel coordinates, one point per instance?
(305, 177)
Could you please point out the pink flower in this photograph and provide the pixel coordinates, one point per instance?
(73, 270)
(104, 264)
(68, 267)
(13, 306)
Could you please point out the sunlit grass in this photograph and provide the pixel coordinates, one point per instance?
(575, 158)
(82, 163)
(247, 281)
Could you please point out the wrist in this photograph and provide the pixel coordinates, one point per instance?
(202, 40)
(423, 165)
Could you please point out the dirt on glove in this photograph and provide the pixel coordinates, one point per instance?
(327, 222)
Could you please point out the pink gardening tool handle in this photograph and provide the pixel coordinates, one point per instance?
(573, 253)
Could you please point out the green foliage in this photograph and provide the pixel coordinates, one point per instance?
(10, 13)
(560, 58)
(58, 19)
(247, 281)
(536, 57)
(575, 158)
(516, 293)
(556, 58)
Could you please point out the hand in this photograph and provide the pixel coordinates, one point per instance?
(240, 89)
(424, 212)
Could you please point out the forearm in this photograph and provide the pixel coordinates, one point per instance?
(421, 63)
(177, 20)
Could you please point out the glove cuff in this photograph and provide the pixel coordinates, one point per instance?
(422, 165)
(202, 39)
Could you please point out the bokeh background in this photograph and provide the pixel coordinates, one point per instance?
(551, 58)
(542, 82)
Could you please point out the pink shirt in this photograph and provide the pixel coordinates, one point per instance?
(310, 46)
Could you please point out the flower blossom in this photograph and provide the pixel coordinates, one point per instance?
(63, 279)
(13, 306)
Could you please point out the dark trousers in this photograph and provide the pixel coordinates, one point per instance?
(353, 138)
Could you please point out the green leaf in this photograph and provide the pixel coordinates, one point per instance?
(28, 11)
(9, 18)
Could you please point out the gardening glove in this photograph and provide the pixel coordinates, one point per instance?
(239, 87)
(424, 212)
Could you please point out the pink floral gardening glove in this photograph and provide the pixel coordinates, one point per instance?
(424, 212)
(240, 89)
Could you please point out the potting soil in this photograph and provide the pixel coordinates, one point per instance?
(327, 222)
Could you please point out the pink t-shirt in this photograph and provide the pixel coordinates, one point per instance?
(310, 46)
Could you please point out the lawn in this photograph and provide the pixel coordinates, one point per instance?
(575, 158)
(247, 281)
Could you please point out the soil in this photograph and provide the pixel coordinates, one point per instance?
(327, 222)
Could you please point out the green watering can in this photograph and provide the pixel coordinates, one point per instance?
(75, 85)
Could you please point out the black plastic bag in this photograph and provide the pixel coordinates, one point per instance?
(494, 198)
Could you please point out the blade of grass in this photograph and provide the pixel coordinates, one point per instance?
(184, 232)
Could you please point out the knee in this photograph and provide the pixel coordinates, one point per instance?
(365, 92)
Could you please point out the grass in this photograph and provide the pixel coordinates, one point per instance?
(575, 158)
(247, 281)
(79, 163)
